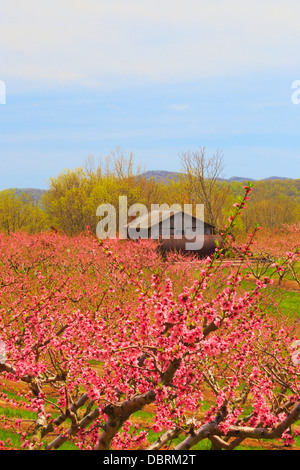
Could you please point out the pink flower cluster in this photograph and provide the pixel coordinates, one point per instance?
(116, 320)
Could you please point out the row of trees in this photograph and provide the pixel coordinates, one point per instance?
(93, 332)
(73, 196)
(18, 211)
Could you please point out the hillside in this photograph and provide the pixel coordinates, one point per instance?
(36, 194)
(161, 176)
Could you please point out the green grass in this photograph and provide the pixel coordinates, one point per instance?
(17, 413)
(68, 446)
(14, 438)
(144, 415)
(12, 396)
(280, 301)
(289, 303)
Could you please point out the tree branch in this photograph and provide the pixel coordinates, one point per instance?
(118, 414)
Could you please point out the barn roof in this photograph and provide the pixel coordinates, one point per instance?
(154, 217)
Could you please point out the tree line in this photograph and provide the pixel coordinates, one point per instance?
(70, 203)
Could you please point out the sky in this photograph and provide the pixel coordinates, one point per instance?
(152, 78)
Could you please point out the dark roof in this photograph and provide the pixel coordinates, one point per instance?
(155, 217)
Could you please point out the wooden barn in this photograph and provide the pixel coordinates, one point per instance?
(175, 230)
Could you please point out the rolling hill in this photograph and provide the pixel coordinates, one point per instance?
(158, 175)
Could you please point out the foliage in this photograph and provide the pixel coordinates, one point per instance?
(275, 258)
(74, 195)
(20, 212)
(95, 331)
(273, 203)
(71, 201)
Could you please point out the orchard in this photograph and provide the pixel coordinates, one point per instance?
(95, 332)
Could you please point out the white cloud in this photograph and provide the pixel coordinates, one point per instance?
(102, 43)
(179, 107)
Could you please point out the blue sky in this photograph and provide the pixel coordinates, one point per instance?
(153, 78)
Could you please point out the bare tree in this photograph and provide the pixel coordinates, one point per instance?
(204, 177)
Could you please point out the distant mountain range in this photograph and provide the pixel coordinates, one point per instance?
(157, 175)
(160, 175)
(36, 194)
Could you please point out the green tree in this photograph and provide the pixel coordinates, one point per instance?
(74, 195)
(20, 213)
